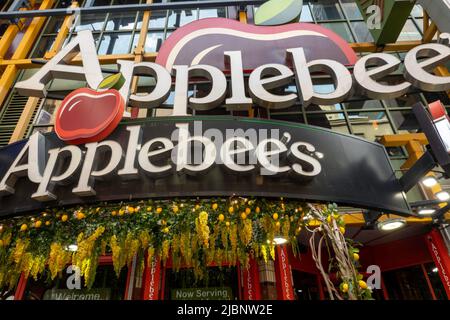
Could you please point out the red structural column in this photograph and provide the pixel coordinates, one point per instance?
(283, 270)
(438, 251)
(152, 279)
(250, 281)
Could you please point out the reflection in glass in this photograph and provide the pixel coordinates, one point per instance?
(44, 45)
(121, 21)
(217, 283)
(212, 13)
(305, 286)
(362, 32)
(341, 28)
(370, 125)
(54, 25)
(115, 43)
(106, 287)
(93, 22)
(46, 114)
(409, 32)
(327, 11)
(405, 121)
(178, 18)
(157, 20)
(333, 121)
(351, 9)
(154, 41)
(436, 282)
(407, 284)
(363, 104)
(306, 15)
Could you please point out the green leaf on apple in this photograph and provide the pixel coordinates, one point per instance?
(276, 12)
(114, 81)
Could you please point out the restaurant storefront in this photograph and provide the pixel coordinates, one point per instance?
(217, 153)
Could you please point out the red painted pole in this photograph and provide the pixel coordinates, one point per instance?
(284, 274)
(252, 289)
(151, 279)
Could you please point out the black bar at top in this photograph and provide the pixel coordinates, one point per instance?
(128, 8)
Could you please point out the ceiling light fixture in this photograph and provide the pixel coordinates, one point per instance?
(391, 224)
(442, 195)
(429, 181)
(426, 211)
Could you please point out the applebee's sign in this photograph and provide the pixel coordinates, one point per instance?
(299, 65)
(190, 156)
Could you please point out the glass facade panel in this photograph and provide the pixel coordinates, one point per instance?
(326, 11)
(351, 9)
(370, 125)
(115, 43)
(341, 28)
(362, 33)
(121, 21)
(178, 18)
(407, 284)
(107, 286)
(93, 22)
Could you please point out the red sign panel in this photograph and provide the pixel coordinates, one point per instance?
(441, 257)
(284, 272)
(152, 276)
(252, 290)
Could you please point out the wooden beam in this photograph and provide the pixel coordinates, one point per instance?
(430, 32)
(372, 47)
(398, 140)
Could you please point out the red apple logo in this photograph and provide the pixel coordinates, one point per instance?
(88, 115)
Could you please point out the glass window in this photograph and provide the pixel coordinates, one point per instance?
(409, 32)
(404, 121)
(153, 41)
(327, 11)
(341, 28)
(54, 24)
(333, 121)
(106, 287)
(121, 21)
(212, 13)
(405, 101)
(306, 15)
(44, 45)
(98, 3)
(46, 114)
(292, 117)
(157, 20)
(218, 284)
(93, 22)
(407, 284)
(178, 18)
(363, 104)
(370, 125)
(362, 33)
(351, 9)
(115, 43)
(305, 286)
(436, 282)
(417, 11)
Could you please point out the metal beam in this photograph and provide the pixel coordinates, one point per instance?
(420, 168)
(128, 8)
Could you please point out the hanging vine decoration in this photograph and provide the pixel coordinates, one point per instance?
(343, 257)
(189, 232)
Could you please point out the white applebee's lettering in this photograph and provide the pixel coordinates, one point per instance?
(368, 76)
(97, 160)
